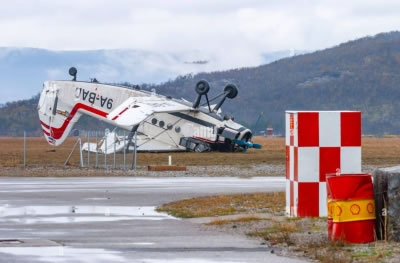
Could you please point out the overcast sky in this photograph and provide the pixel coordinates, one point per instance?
(214, 26)
(226, 33)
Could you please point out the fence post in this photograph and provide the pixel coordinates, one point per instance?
(80, 152)
(115, 140)
(97, 151)
(88, 153)
(24, 148)
(72, 151)
(124, 151)
(135, 149)
(105, 152)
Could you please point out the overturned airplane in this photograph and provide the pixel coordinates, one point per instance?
(162, 123)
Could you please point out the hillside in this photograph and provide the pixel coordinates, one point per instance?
(23, 70)
(358, 75)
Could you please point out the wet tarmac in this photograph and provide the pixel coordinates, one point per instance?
(114, 219)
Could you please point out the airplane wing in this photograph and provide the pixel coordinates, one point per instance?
(136, 109)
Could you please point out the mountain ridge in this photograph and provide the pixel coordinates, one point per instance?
(362, 74)
(23, 70)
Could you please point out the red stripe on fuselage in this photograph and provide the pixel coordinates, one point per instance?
(204, 139)
(45, 125)
(119, 114)
(58, 132)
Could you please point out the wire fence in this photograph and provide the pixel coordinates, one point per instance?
(100, 149)
(107, 149)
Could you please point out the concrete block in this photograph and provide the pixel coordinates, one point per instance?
(387, 203)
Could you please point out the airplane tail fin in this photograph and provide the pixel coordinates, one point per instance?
(56, 117)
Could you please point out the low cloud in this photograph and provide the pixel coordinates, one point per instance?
(178, 25)
(225, 33)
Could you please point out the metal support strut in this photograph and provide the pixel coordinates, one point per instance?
(130, 137)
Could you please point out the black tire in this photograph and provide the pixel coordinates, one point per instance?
(202, 87)
(72, 71)
(231, 90)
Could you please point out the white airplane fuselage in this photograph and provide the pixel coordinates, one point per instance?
(163, 123)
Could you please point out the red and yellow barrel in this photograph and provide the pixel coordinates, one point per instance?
(351, 207)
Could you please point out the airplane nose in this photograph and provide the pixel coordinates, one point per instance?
(247, 136)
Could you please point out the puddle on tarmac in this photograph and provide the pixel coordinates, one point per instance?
(97, 198)
(65, 254)
(143, 243)
(78, 214)
(188, 260)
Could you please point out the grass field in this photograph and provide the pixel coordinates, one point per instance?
(39, 152)
(375, 151)
(226, 205)
(261, 216)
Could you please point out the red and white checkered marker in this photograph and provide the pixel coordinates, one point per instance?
(318, 143)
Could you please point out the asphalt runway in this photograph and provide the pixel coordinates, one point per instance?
(113, 219)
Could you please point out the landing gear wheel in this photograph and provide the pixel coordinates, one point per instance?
(72, 71)
(231, 90)
(202, 87)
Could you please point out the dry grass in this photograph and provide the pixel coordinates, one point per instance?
(308, 237)
(376, 151)
(278, 233)
(329, 252)
(39, 152)
(244, 219)
(378, 252)
(226, 205)
(304, 237)
(381, 151)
